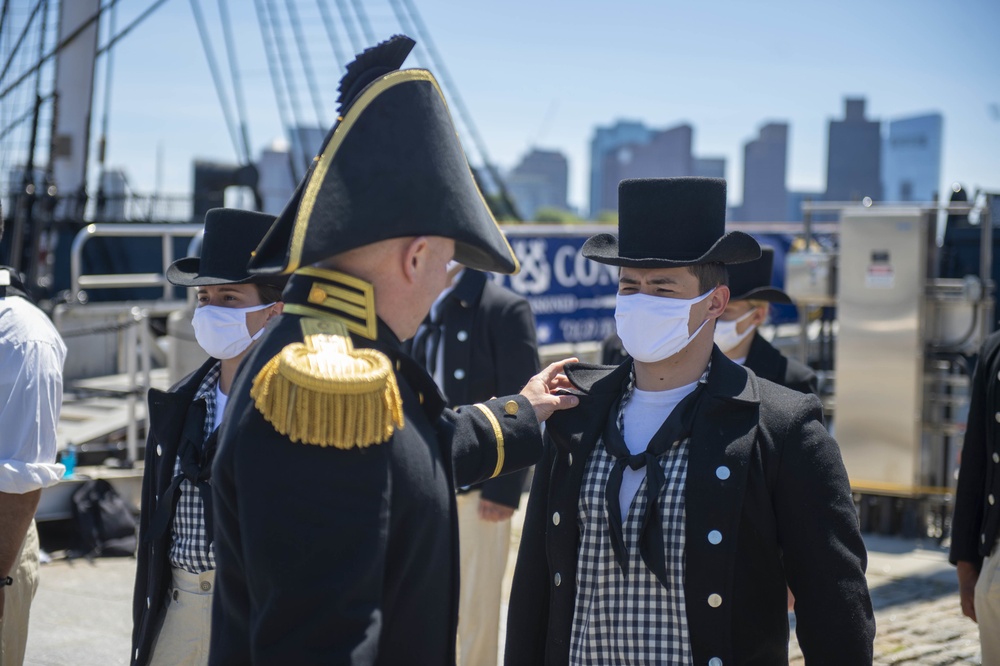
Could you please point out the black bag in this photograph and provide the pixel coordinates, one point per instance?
(104, 522)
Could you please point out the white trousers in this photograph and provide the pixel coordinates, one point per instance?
(187, 627)
(17, 601)
(987, 602)
(483, 547)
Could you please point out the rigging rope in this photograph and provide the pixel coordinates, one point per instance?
(216, 76)
(293, 98)
(227, 33)
(301, 46)
(356, 45)
(331, 33)
(276, 84)
(20, 38)
(410, 20)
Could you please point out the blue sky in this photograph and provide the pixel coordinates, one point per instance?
(546, 73)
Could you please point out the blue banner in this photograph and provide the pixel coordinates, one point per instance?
(573, 298)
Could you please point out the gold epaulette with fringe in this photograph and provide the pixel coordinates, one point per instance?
(325, 392)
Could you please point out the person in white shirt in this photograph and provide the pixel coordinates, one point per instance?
(32, 355)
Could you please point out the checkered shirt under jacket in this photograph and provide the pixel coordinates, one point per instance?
(189, 548)
(634, 620)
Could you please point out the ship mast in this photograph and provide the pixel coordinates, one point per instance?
(74, 95)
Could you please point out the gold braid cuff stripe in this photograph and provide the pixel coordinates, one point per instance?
(498, 433)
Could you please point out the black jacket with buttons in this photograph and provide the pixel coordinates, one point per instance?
(976, 523)
(169, 414)
(785, 512)
(349, 556)
(490, 349)
(770, 364)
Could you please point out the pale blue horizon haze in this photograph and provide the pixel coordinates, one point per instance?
(545, 74)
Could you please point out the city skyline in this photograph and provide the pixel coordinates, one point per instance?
(544, 75)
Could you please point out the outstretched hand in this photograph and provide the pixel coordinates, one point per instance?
(543, 390)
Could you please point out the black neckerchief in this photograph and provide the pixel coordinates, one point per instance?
(196, 466)
(676, 428)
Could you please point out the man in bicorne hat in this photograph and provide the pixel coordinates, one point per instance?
(334, 480)
(737, 331)
(670, 507)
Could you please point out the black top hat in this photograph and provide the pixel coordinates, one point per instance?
(752, 280)
(391, 166)
(230, 237)
(670, 222)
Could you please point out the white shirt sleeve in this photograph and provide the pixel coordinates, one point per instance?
(30, 398)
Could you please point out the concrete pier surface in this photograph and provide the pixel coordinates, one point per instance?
(82, 612)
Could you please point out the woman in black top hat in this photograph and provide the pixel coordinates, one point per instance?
(175, 576)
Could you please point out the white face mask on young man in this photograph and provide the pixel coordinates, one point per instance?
(653, 328)
(726, 336)
(222, 332)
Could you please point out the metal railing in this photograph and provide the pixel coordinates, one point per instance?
(132, 318)
(166, 232)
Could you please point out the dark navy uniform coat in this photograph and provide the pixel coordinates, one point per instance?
(331, 556)
(489, 350)
(172, 415)
(782, 504)
(976, 525)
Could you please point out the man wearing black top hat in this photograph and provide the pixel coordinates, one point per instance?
(335, 476)
(737, 330)
(175, 572)
(670, 508)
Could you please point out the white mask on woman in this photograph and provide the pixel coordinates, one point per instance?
(222, 332)
(653, 328)
(726, 336)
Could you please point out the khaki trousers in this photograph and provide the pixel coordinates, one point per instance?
(17, 602)
(483, 548)
(987, 602)
(187, 627)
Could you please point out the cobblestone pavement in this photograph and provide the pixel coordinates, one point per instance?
(918, 618)
(82, 613)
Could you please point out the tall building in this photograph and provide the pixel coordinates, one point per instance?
(275, 183)
(607, 141)
(539, 181)
(709, 167)
(911, 158)
(666, 153)
(854, 149)
(765, 198)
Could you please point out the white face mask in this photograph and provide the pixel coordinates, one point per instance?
(222, 332)
(726, 336)
(653, 328)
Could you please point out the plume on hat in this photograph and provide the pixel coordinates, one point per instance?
(369, 65)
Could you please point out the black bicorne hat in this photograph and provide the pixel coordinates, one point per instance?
(671, 222)
(752, 280)
(230, 238)
(391, 166)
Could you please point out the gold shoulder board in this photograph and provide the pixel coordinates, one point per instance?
(325, 392)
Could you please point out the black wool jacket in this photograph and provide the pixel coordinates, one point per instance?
(349, 556)
(171, 414)
(976, 523)
(770, 364)
(490, 349)
(785, 512)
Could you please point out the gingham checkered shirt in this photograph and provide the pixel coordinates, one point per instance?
(634, 620)
(190, 549)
